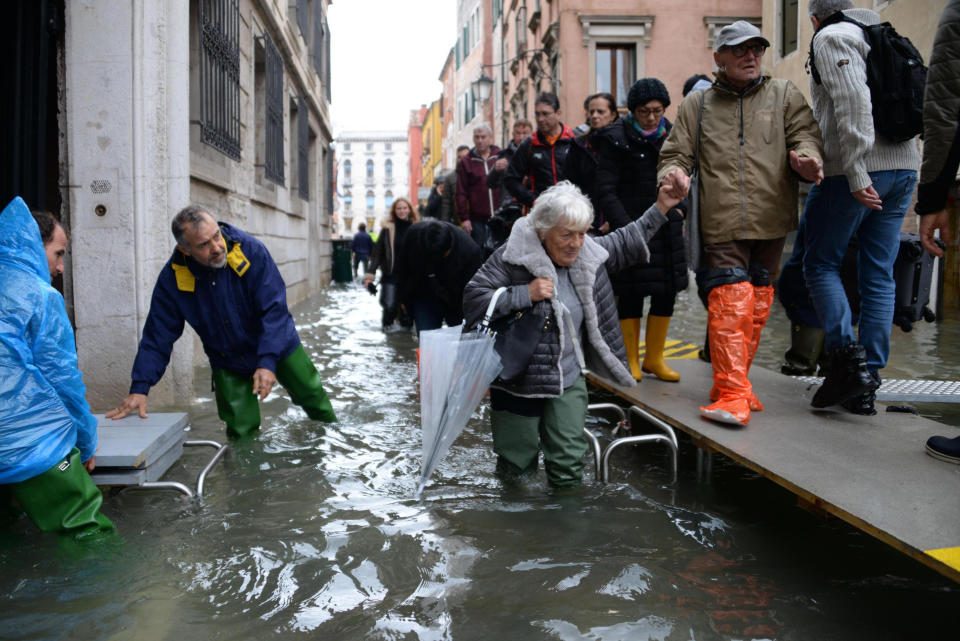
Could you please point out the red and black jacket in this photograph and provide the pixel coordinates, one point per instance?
(540, 163)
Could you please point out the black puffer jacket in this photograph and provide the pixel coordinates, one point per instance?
(537, 165)
(523, 258)
(580, 168)
(624, 187)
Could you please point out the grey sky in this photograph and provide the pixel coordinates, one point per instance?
(386, 57)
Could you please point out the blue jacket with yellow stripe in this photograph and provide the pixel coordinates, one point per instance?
(239, 311)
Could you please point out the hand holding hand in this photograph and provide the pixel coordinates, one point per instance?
(810, 169)
(263, 380)
(869, 197)
(667, 198)
(929, 223)
(540, 289)
(678, 182)
(129, 404)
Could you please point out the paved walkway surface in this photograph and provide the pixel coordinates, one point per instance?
(871, 471)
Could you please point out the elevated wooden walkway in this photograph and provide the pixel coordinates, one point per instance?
(871, 471)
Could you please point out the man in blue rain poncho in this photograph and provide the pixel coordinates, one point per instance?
(224, 282)
(47, 434)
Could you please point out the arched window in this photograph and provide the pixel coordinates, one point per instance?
(347, 171)
(370, 199)
(370, 170)
(388, 170)
(388, 199)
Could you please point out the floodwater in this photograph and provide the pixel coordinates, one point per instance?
(312, 532)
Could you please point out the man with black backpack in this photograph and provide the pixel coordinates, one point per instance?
(870, 169)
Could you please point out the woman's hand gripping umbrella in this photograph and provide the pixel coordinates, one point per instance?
(455, 371)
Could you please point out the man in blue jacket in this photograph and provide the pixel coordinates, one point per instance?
(225, 284)
(361, 246)
(47, 434)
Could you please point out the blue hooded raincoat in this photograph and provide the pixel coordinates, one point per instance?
(43, 412)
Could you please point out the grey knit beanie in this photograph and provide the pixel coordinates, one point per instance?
(645, 90)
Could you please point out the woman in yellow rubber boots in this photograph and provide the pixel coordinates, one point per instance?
(626, 185)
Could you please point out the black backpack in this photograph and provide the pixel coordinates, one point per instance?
(896, 77)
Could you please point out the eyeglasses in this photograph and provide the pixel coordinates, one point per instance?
(740, 51)
(643, 113)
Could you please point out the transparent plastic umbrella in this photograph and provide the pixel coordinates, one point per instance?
(455, 371)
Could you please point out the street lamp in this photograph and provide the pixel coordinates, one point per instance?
(481, 88)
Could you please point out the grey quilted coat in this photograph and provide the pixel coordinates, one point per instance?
(523, 258)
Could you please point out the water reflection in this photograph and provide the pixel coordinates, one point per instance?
(312, 532)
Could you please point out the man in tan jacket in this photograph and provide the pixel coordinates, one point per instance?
(757, 137)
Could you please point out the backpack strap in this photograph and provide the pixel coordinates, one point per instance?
(836, 18)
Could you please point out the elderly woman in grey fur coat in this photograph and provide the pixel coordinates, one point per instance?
(549, 263)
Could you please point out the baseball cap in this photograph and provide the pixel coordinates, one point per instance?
(737, 33)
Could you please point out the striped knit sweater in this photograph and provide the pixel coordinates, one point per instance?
(842, 106)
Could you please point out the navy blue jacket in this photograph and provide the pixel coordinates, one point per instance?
(239, 311)
(362, 244)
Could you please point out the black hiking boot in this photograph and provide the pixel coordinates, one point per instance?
(846, 377)
(863, 404)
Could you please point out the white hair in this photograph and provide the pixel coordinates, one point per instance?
(562, 205)
(483, 127)
(823, 9)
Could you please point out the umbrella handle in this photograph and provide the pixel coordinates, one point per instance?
(485, 323)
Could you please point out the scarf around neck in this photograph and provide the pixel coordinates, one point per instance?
(656, 134)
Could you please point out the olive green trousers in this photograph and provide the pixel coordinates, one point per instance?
(523, 427)
(64, 499)
(239, 407)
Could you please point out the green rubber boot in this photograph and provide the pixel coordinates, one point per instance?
(237, 405)
(806, 350)
(301, 379)
(64, 499)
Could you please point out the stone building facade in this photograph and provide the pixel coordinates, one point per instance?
(158, 104)
(787, 26)
(372, 171)
(472, 56)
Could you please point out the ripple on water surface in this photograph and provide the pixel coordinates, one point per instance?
(311, 531)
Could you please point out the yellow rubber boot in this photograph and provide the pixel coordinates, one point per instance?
(653, 361)
(631, 340)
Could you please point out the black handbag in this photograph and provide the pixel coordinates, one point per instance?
(516, 337)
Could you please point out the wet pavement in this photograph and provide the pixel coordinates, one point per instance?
(313, 532)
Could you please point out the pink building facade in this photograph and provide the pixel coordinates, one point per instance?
(579, 47)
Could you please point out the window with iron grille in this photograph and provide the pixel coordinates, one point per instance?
(273, 167)
(303, 149)
(219, 31)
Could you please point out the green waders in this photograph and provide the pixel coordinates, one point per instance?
(552, 424)
(239, 407)
(64, 499)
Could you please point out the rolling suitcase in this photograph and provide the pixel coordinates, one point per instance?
(913, 273)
